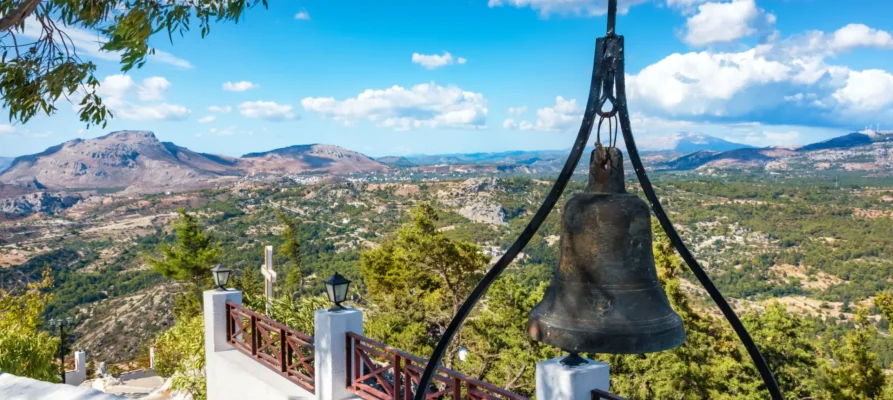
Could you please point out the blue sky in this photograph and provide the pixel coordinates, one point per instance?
(409, 77)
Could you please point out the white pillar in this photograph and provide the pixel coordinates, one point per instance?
(330, 352)
(80, 361)
(555, 381)
(215, 318)
(151, 358)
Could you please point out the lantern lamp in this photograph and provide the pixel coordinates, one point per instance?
(336, 289)
(221, 276)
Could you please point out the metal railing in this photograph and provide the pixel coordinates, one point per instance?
(379, 372)
(278, 347)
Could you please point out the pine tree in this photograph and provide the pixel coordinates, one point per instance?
(417, 281)
(290, 250)
(189, 260)
(853, 373)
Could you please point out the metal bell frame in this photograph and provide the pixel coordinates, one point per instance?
(608, 71)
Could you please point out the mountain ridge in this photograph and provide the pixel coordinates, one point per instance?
(138, 161)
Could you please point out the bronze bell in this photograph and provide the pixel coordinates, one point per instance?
(604, 296)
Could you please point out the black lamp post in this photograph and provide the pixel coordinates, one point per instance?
(221, 276)
(61, 324)
(336, 289)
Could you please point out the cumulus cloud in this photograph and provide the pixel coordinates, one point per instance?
(788, 81)
(726, 22)
(302, 15)
(589, 8)
(564, 115)
(118, 90)
(433, 61)
(239, 86)
(220, 109)
(268, 110)
(517, 110)
(423, 105)
(153, 88)
(205, 120)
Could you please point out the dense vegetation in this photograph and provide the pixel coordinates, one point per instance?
(822, 245)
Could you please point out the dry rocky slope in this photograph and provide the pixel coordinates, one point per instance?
(138, 161)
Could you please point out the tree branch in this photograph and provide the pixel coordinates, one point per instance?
(18, 14)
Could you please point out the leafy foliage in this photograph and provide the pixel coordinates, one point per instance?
(290, 250)
(24, 350)
(417, 280)
(35, 74)
(180, 354)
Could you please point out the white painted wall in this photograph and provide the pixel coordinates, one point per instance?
(231, 374)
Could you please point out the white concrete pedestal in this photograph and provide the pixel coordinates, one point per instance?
(215, 318)
(330, 351)
(555, 381)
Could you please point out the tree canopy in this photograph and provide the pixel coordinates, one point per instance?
(24, 350)
(43, 46)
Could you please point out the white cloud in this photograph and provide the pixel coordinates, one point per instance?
(869, 90)
(239, 86)
(205, 120)
(517, 110)
(153, 88)
(302, 15)
(90, 43)
(433, 61)
(220, 109)
(787, 79)
(423, 105)
(7, 129)
(117, 91)
(726, 22)
(229, 131)
(564, 115)
(268, 110)
(589, 8)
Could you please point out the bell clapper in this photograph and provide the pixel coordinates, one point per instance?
(573, 360)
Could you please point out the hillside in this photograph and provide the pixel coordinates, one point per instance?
(138, 162)
(311, 157)
(118, 160)
(689, 142)
(395, 161)
(864, 151)
(4, 163)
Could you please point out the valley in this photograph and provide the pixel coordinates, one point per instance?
(818, 240)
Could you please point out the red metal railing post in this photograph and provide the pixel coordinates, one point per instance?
(254, 335)
(396, 365)
(283, 351)
(356, 363)
(457, 388)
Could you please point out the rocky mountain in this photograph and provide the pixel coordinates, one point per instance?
(118, 160)
(138, 161)
(854, 139)
(4, 163)
(688, 142)
(395, 161)
(41, 202)
(866, 150)
(311, 157)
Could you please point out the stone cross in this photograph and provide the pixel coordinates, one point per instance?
(269, 276)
